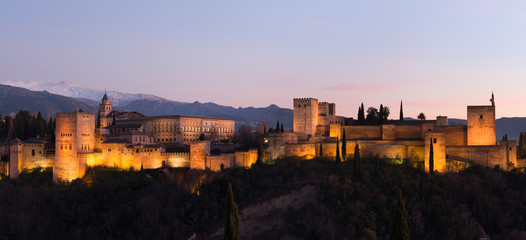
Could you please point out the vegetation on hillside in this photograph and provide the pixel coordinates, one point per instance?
(176, 203)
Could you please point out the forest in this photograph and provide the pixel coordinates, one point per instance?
(177, 203)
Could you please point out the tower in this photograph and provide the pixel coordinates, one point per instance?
(305, 115)
(481, 124)
(105, 106)
(75, 134)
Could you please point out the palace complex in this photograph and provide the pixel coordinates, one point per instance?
(128, 140)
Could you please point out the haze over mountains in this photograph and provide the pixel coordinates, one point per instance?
(50, 98)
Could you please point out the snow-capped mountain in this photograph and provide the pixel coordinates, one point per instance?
(78, 91)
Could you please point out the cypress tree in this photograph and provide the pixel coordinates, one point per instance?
(321, 149)
(344, 145)
(431, 158)
(381, 114)
(232, 217)
(338, 158)
(356, 160)
(399, 227)
(282, 129)
(277, 126)
(261, 154)
(401, 112)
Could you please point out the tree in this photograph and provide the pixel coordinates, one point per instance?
(505, 137)
(421, 116)
(261, 154)
(321, 149)
(372, 115)
(202, 137)
(399, 227)
(387, 111)
(431, 158)
(114, 119)
(381, 114)
(361, 115)
(356, 161)
(277, 126)
(401, 111)
(232, 217)
(282, 129)
(338, 158)
(344, 145)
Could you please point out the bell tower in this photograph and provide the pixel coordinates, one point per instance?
(105, 106)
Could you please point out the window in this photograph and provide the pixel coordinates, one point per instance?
(33, 152)
(434, 140)
(480, 116)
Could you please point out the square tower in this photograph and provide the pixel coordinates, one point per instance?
(75, 133)
(305, 115)
(481, 125)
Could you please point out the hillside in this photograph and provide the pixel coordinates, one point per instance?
(289, 199)
(14, 99)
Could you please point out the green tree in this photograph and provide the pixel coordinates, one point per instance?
(338, 158)
(401, 111)
(277, 126)
(344, 145)
(321, 149)
(202, 137)
(361, 115)
(372, 116)
(232, 217)
(381, 114)
(261, 154)
(421, 117)
(356, 161)
(282, 129)
(431, 158)
(399, 227)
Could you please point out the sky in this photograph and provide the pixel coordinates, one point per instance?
(436, 56)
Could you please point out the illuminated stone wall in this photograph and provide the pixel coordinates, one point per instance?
(305, 115)
(177, 159)
(439, 151)
(388, 132)
(483, 155)
(455, 135)
(363, 132)
(336, 131)
(408, 132)
(66, 164)
(481, 125)
(213, 163)
(246, 159)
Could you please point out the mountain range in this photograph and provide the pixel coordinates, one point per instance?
(43, 97)
(50, 98)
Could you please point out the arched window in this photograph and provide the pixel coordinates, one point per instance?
(33, 152)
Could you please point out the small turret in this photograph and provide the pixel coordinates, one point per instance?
(105, 106)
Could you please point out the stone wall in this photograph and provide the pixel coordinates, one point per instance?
(439, 151)
(483, 155)
(305, 115)
(408, 132)
(363, 132)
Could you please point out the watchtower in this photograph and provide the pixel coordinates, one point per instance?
(74, 134)
(481, 125)
(305, 115)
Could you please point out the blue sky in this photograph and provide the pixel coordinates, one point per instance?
(436, 56)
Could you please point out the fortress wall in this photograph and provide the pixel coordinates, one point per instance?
(15, 160)
(176, 159)
(388, 132)
(336, 131)
(214, 162)
(382, 150)
(307, 150)
(402, 132)
(246, 159)
(38, 160)
(511, 155)
(151, 159)
(4, 168)
(322, 130)
(360, 132)
(455, 135)
(85, 132)
(483, 155)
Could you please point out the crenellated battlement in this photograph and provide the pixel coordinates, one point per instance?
(176, 154)
(74, 114)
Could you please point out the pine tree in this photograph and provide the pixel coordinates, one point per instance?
(401, 112)
(344, 145)
(338, 158)
(232, 217)
(431, 158)
(282, 129)
(399, 227)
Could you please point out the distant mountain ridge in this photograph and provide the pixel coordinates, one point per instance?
(150, 104)
(14, 99)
